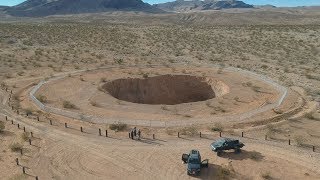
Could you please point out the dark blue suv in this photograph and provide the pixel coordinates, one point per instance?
(194, 163)
(226, 144)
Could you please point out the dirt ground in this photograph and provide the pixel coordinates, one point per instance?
(285, 48)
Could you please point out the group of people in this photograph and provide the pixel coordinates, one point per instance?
(135, 133)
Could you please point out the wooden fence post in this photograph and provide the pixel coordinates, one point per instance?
(11, 121)
(178, 134)
(313, 148)
(24, 129)
(200, 134)
(38, 119)
(65, 125)
(107, 133)
(289, 142)
(37, 178)
(23, 170)
(31, 134)
(99, 132)
(153, 136)
(30, 142)
(21, 151)
(81, 129)
(220, 134)
(18, 126)
(50, 122)
(265, 137)
(6, 118)
(241, 134)
(17, 161)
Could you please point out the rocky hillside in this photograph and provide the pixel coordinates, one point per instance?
(185, 5)
(36, 8)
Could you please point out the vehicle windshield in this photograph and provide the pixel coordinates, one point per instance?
(219, 142)
(193, 161)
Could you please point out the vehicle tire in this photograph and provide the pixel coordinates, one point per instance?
(219, 153)
(237, 150)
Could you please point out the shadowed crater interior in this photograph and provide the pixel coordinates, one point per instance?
(164, 89)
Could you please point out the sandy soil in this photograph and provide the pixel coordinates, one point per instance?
(240, 94)
(282, 44)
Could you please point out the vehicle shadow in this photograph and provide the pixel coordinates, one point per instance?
(207, 173)
(254, 155)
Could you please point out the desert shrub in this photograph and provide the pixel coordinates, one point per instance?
(277, 111)
(145, 75)
(69, 105)
(118, 126)
(16, 97)
(190, 131)
(28, 111)
(103, 79)
(94, 103)
(299, 140)
(16, 147)
(266, 176)
(223, 173)
(2, 126)
(3, 84)
(25, 136)
(217, 127)
(42, 98)
(100, 89)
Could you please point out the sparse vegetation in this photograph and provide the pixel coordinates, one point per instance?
(42, 98)
(223, 173)
(189, 131)
(2, 126)
(15, 147)
(25, 136)
(266, 176)
(69, 105)
(217, 127)
(118, 126)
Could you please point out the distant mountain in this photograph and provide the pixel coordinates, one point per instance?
(187, 5)
(3, 7)
(36, 8)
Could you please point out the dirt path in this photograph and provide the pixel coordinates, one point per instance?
(69, 154)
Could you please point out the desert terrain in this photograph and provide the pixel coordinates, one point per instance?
(93, 63)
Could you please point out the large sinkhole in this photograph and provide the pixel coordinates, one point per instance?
(164, 89)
